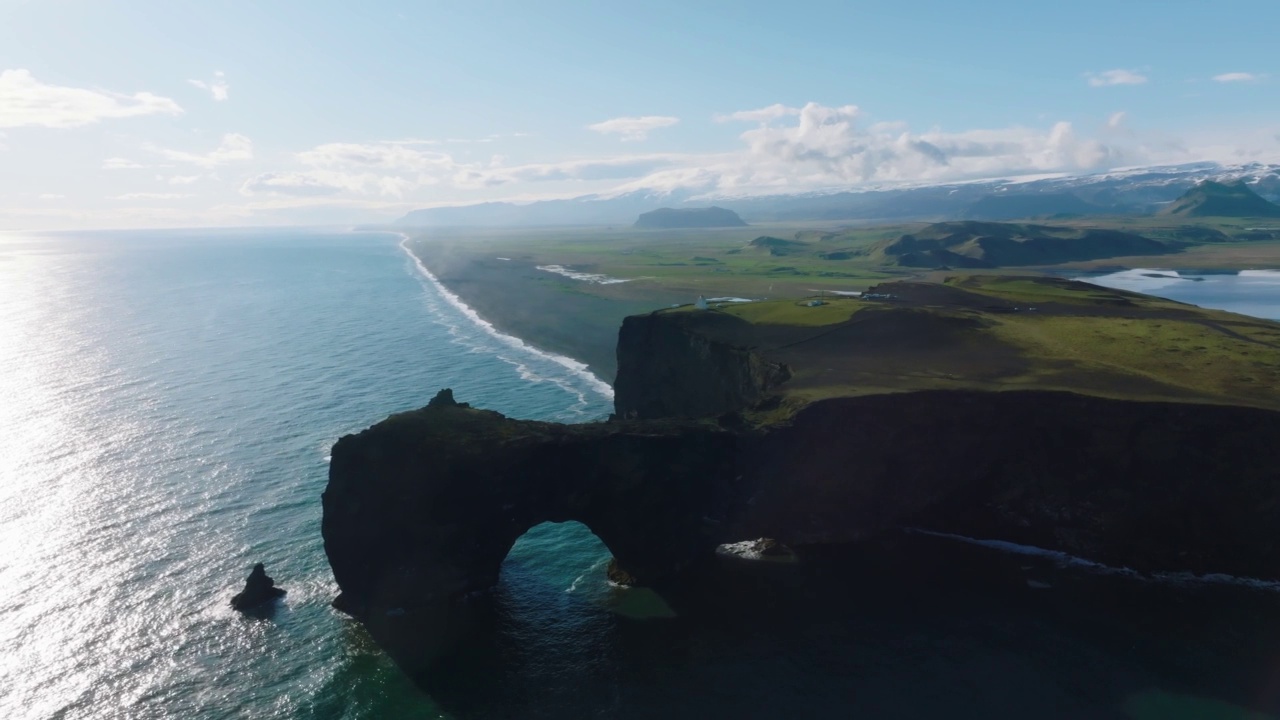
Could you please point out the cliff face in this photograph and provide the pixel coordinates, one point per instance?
(665, 369)
(1150, 486)
(421, 509)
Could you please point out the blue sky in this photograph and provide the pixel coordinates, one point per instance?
(176, 113)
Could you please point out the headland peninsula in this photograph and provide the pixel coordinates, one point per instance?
(828, 385)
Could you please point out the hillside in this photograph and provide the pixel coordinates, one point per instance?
(1215, 199)
(985, 332)
(777, 247)
(1003, 206)
(670, 218)
(971, 244)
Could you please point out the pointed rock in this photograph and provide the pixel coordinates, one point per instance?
(258, 589)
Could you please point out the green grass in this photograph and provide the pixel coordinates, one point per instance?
(666, 267)
(789, 312)
(1196, 357)
(721, 261)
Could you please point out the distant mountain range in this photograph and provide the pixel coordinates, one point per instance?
(1140, 191)
(1215, 199)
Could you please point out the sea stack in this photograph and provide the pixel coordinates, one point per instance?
(258, 589)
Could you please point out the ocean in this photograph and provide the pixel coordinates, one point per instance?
(169, 399)
(167, 402)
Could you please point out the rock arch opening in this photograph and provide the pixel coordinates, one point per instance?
(559, 555)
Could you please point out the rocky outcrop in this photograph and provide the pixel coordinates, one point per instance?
(668, 369)
(258, 589)
(422, 508)
(970, 244)
(670, 218)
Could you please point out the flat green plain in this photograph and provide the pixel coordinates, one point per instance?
(500, 272)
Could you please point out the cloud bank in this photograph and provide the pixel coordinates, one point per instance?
(787, 149)
(27, 102)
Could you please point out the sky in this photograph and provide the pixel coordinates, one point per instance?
(174, 113)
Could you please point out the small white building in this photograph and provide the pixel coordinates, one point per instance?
(702, 303)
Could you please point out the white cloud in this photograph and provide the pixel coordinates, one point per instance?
(764, 114)
(375, 156)
(824, 147)
(317, 182)
(234, 147)
(120, 164)
(788, 149)
(183, 179)
(50, 196)
(151, 196)
(1237, 77)
(1115, 77)
(623, 167)
(290, 183)
(217, 87)
(25, 101)
(633, 128)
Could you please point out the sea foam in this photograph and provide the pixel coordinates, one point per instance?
(569, 364)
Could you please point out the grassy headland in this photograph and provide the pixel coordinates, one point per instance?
(990, 332)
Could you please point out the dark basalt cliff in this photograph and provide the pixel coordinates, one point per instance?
(422, 508)
(668, 369)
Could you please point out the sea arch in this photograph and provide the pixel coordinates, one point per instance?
(422, 509)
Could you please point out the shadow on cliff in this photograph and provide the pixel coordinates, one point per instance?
(901, 626)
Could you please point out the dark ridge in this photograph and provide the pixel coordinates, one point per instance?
(1215, 199)
(667, 218)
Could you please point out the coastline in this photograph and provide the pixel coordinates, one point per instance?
(555, 315)
(570, 364)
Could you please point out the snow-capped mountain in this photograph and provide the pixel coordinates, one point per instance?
(1124, 191)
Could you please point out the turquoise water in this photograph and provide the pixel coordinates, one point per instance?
(167, 402)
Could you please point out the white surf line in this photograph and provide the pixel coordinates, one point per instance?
(841, 293)
(1068, 559)
(573, 366)
(593, 278)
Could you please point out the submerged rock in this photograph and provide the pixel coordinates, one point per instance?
(258, 589)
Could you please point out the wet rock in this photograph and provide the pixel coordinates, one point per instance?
(258, 589)
(619, 576)
(768, 547)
